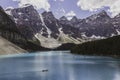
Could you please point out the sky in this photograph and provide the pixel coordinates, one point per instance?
(68, 8)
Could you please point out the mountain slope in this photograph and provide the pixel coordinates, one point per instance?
(12, 33)
(44, 27)
(7, 47)
(97, 25)
(107, 47)
(47, 31)
(9, 30)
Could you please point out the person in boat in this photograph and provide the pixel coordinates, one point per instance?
(45, 70)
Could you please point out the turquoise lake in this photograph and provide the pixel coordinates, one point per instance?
(58, 65)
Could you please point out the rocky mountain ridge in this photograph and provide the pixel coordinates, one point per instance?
(52, 32)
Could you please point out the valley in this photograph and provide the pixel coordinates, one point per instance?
(32, 31)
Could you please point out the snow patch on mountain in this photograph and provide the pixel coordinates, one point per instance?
(19, 13)
(43, 23)
(93, 37)
(16, 20)
(118, 32)
(26, 19)
(96, 37)
(8, 10)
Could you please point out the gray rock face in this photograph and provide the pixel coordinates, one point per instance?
(63, 20)
(74, 20)
(31, 24)
(99, 18)
(69, 27)
(8, 28)
(116, 23)
(27, 20)
(10, 32)
(51, 23)
(97, 25)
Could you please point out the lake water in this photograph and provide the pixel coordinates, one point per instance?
(58, 65)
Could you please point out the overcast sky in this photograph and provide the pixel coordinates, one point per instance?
(69, 8)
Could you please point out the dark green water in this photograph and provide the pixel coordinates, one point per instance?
(60, 65)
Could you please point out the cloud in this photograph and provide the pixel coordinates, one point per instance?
(61, 0)
(93, 5)
(38, 4)
(70, 14)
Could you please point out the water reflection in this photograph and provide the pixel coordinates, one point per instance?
(60, 66)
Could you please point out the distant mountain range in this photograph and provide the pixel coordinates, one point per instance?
(49, 32)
